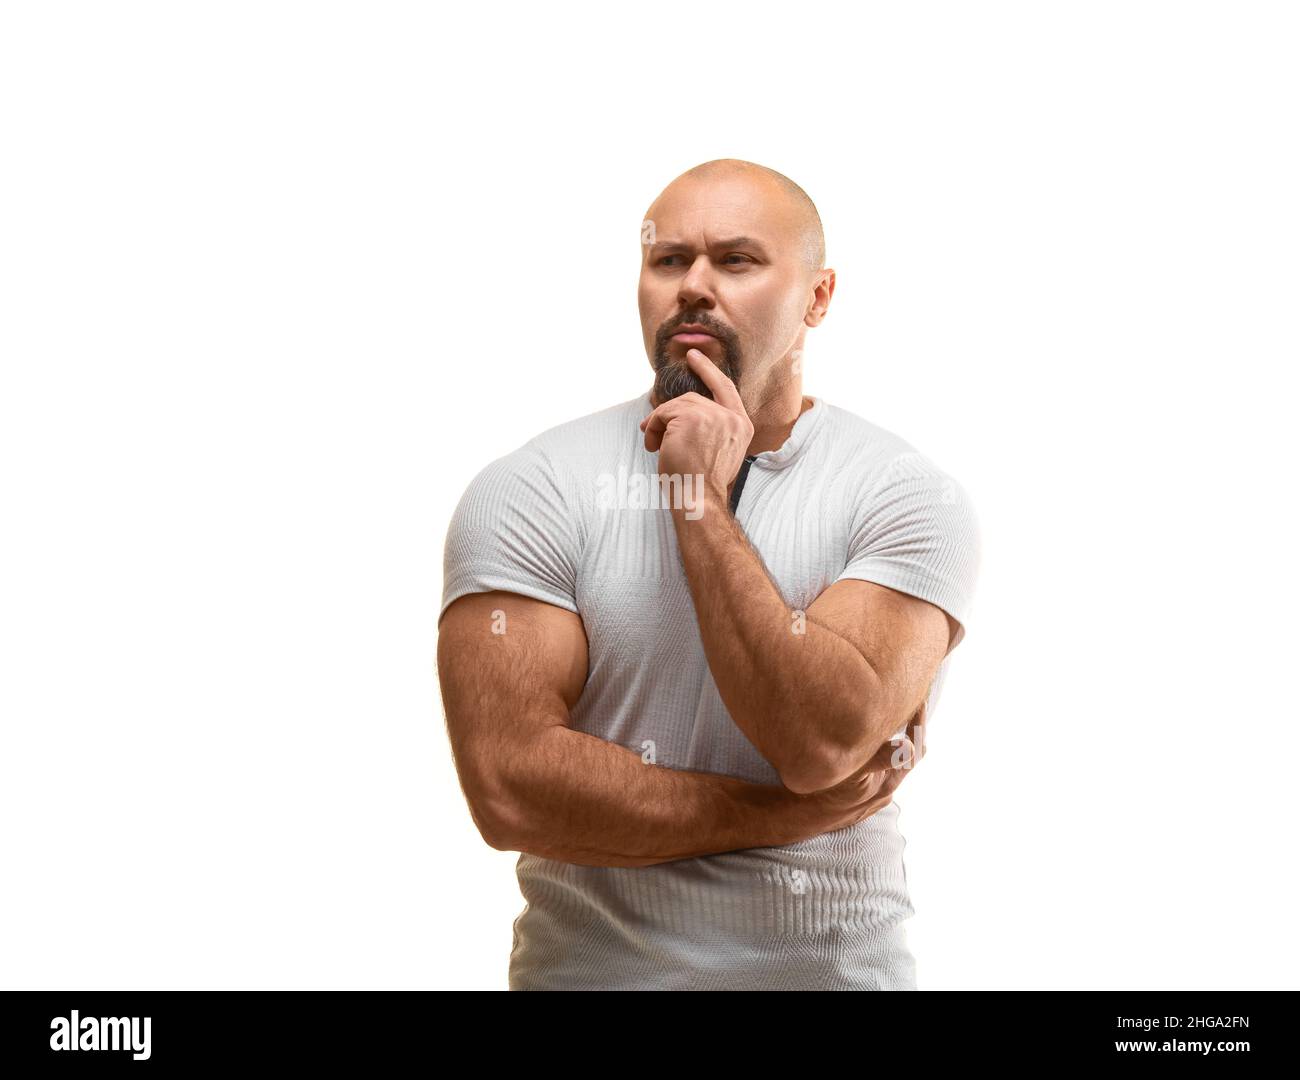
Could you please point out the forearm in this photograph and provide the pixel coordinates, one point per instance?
(577, 798)
(796, 689)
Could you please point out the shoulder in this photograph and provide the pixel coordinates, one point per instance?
(913, 525)
(879, 457)
(547, 482)
(853, 435)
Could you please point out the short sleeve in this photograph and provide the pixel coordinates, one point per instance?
(513, 530)
(914, 529)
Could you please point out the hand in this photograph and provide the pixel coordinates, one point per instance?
(696, 436)
(872, 787)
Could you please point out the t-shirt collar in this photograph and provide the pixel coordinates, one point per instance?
(800, 435)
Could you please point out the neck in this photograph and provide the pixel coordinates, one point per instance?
(774, 415)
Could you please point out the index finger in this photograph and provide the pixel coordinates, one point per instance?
(723, 389)
(909, 747)
(916, 734)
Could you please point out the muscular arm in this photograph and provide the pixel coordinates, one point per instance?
(534, 784)
(817, 692)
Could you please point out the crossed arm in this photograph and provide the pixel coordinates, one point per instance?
(510, 669)
(817, 692)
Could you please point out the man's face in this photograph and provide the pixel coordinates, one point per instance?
(726, 257)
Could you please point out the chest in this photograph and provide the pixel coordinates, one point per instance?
(632, 588)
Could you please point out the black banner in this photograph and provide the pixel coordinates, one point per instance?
(364, 1029)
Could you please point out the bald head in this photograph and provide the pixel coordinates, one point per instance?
(808, 223)
(732, 252)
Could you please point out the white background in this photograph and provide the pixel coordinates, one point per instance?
(277, 279)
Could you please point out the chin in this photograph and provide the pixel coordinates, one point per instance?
(676, 378)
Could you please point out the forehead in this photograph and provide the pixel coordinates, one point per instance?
(705, 209)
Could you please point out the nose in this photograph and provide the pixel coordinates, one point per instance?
(696, 288)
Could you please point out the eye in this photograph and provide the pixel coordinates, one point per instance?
(666, 258)
(737, 255)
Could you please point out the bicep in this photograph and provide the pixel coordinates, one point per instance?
(902, 637)
(509, 667)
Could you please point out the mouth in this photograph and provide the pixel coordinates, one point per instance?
(693, 335)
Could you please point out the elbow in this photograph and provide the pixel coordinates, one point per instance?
(494, 816)
(492, 828)
(815, 771)
(797, 785)
(497, 836)
(505, 796)
(810, 780)
(827, 764)
(842, 740)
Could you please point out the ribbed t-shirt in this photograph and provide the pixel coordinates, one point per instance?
(575, 518)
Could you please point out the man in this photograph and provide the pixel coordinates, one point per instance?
(679, 637)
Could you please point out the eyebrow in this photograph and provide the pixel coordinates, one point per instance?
(733, 242)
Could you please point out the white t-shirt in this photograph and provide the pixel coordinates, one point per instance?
(565, 519)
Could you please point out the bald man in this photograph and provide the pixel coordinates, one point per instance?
(688, 643)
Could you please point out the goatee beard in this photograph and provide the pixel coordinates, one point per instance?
(673, 378)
